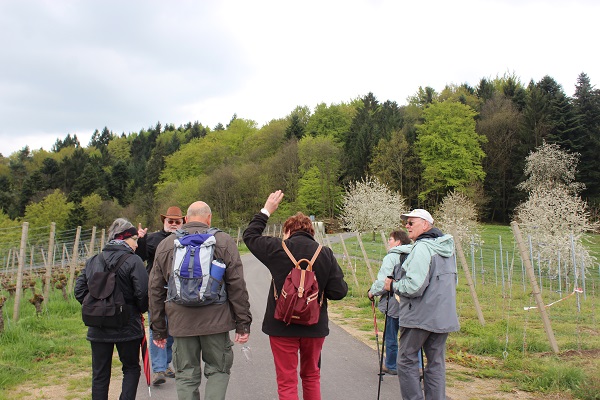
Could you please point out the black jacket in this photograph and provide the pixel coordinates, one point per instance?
(147, 247)
(132, 279)
(302, 245)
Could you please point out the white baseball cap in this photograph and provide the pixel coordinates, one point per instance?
(419, 213)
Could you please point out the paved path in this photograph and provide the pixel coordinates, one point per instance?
(349, 367)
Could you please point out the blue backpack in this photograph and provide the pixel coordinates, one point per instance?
(196, 278)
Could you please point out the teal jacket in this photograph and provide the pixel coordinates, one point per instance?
(426, 289)
(388, 263)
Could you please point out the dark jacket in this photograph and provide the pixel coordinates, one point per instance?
(132, 279)
(302, 245)
(147, 247)
(206, 320)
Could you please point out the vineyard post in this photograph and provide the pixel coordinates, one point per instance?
(102, 240)
(465, 265)
(19, 289)
(31, 255)
(49, 263)
(536, 290)
(74, 260)
(8, 259)
(328, 241)
(92, 242)
(349, 263)
(364, 253)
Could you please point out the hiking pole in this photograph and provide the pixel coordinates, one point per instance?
(375, 325)
(387, 305)
(423, 368)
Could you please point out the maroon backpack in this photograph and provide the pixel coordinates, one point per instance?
(298, 302)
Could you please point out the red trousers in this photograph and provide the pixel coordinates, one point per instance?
(285, 354)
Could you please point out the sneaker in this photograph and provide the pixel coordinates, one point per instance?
(159, 378)
(389, 371)
(169, 373)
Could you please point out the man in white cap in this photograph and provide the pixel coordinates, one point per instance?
(427, 295)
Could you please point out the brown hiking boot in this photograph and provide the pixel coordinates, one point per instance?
(159, 378)
(169, 373)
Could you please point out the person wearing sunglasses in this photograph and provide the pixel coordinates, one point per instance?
(147, 244)
(426, 291)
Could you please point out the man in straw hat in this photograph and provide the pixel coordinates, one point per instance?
(427, 295)
(160, 357)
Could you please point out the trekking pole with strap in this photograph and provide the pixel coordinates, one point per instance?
(383, 345)
(375, 325)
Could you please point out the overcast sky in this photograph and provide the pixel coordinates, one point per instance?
(76, 66)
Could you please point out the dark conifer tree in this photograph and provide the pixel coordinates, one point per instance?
(586, 103)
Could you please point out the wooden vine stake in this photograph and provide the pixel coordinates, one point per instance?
(49, 263)
(74, 260)
(364, 252)
(535, 288)
(463, 262)
(92, 242)
(19, 289)
(349, 263)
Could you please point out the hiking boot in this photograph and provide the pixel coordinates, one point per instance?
(389, 371)
(159, 378)
(169, 373)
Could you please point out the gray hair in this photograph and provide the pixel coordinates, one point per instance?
(119, 225)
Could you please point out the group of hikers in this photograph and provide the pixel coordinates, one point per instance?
(192, 313)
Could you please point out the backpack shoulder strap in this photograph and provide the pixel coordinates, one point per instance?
(120, 262)
(212, 231)
(289, 253)
(312, 260)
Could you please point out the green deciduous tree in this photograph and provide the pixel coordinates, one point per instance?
(320, 157)
(53, 208)
(450, 149)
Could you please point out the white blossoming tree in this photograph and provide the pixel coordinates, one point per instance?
(554, 210)
(457, 213)
(370, 206)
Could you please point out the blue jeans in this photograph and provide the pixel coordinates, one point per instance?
(160, 358)
(391, 343)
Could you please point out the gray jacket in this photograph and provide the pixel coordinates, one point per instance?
(427, 287)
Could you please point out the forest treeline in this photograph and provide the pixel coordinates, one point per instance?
(468, 139)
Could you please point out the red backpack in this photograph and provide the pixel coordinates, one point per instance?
(298, 302)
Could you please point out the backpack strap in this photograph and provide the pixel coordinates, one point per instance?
(291, 256)
(120, 261)
(310, 263)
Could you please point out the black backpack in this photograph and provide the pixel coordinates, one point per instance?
(104, 305)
